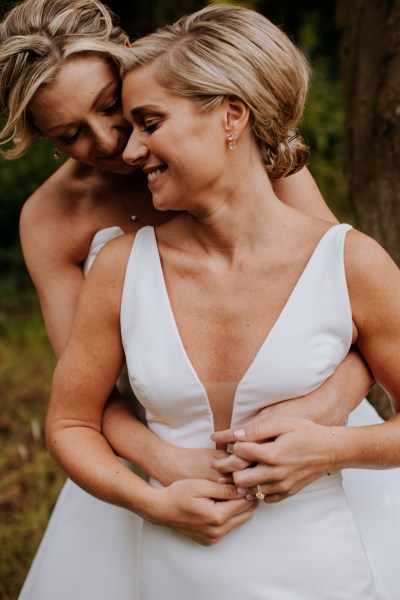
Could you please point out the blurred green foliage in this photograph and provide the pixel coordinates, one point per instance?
(30, 481)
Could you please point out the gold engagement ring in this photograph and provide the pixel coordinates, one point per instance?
(260, 494)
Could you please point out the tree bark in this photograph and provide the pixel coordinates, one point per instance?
(370, 63)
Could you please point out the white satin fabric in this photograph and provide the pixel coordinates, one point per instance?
(307, 547)
(93, 551)
(90, 549)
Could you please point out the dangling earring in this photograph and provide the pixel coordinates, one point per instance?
(231, 141)
(56, 154)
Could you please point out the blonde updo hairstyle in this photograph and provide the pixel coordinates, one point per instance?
(36, 38)
(225, 50)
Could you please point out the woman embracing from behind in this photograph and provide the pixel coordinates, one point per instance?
(59, 79)
(238, 303)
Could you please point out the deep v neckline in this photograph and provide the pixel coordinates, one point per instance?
(266, 339)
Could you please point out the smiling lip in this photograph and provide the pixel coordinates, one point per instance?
(154, 174)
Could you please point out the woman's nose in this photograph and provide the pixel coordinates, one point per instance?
(135, 151)
(107, 139)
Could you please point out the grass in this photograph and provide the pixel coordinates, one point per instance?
(29, 480)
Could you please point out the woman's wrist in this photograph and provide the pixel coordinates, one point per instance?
(162, 464)
(146, 501)
(161, 508)
(363, 447)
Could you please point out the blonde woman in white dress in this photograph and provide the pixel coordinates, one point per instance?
(240, 302)
(90, 547)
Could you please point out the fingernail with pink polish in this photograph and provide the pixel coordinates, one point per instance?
(241, 491)
(239, 433)
(222, 480)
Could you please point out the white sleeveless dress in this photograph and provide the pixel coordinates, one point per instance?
(92, 550)
(307, 547)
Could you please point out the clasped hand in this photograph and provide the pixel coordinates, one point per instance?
(203, 510)
(282, 455)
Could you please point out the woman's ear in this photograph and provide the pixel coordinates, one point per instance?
(237, 114)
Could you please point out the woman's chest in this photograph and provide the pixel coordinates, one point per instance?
(224, 319)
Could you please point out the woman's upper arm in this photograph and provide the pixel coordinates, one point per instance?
(373, 280)
(301, 192)
(93, 358)
(53, 263)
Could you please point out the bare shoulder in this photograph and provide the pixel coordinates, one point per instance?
(104, 284)
(373, 278)
(53, 198)
(111, 261)
(52, 218)
(366, 260)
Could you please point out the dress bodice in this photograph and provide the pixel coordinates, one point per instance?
(100, 238)
(309, 339)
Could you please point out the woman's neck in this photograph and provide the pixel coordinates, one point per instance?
(239, 221)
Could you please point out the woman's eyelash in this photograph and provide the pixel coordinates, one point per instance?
(71, 139)
(150, 127)
(115, 106)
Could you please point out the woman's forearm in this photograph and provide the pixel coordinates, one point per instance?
(133, 440)
(332, 402)
(199, 509)
(84, 455)
(301, 192)
(166, 463)
(370, 446)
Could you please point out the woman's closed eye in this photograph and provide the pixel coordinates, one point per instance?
(112, 108)
(150, 126)
(70, 139)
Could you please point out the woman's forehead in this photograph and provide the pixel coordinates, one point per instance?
(79, 84)
(141, 86)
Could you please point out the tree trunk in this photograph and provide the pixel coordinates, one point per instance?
(370, 60)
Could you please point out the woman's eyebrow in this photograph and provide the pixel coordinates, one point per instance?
(101, 92)
(146, 108)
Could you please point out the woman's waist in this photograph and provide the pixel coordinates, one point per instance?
(333, 479)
